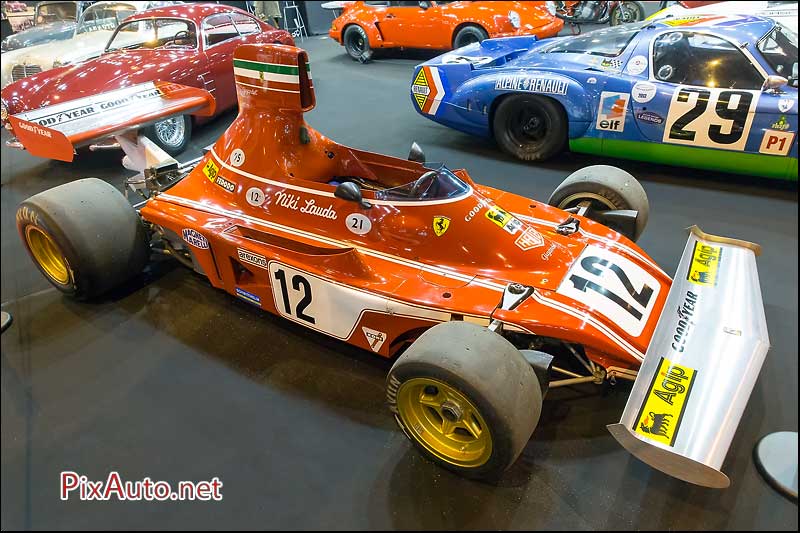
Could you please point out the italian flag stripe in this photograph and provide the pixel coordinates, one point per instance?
(266, 76)
(269, 67)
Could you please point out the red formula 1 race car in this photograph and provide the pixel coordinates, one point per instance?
(483, 298)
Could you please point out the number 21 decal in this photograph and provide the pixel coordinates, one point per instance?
(612, 286)
(713, 118)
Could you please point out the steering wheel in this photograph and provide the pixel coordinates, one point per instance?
(423, 184)
(183, 34)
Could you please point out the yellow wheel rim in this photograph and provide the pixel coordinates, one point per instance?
(47, 254)
(445, 422)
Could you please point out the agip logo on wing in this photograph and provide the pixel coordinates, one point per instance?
(427, 90)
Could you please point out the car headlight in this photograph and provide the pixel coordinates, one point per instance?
(551, 7)
(513, 16)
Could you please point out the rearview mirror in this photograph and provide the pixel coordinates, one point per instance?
(424, 5)
(774, 83)
(416, 153)
(352, 193)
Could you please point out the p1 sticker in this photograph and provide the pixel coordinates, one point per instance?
(611, 114)
(704, 265)
(358, 223)
(637, 65)
(776, 142)
(195, 238)
(504, 219)
(255, 196)
(237, 157)
(660, 417)
(427, 90)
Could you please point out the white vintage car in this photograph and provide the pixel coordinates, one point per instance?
(780, 11)
(94, 29)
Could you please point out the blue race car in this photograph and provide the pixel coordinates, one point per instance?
(715, 92)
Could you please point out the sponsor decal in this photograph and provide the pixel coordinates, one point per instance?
(531, 85)
(440, 225)
(785, 104)
(611, 113)
(248, 296)
(704, 264)
(692, 20)
(475, 210)
(211, 170)
(237, 157)
(776, 142)
(637, 65)
(612, 64)
(374, 337)
(93, 108)
(292, 201)
(252, 258)
(685, 324)
(781, 125)
(427, 90)
(255, 196)
(643, 92)
(546, 255)
(195, 238)
(225, 184)
(504, 219)
(661, 413)
(358, 223)
(650, 117)
(450, 59)
(591, 80)
(33, 128)
(529, 239)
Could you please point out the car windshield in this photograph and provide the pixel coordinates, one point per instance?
(607, 42)
(779, 48)
(437, 184)
(104, 16)
(54, 11)
(154, 33)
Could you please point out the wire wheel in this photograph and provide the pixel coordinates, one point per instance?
(171, 131)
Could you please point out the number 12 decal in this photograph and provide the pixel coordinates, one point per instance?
(298, 283)
(612, 286)
(713, 118)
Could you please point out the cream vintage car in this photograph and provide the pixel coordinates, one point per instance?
(94, 29)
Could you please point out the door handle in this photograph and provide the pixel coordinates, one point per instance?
(390, 16)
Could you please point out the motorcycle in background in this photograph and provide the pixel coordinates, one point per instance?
(577, 13)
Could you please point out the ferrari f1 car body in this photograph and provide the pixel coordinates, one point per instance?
(473, 290)
(715, 91)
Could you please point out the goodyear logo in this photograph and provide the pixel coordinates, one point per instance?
(704, 266)
(211, 170)
(660, 417)
(421, 88)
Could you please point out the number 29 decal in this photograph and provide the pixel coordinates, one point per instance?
(612, 286)
(713, 118)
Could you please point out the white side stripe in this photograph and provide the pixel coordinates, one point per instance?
(266, 88)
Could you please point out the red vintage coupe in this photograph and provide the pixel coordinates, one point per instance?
(189, 44)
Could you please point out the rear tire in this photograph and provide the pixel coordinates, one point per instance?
(530, 127)
(626, 12)
(84, 237)
(356, 43)
(171, 134)
(475, 380)
(607, 188)
(469, 34)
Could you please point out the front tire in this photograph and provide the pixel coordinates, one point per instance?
(83, 236)
(605, 188)
(356, 43)
(469, 34)
(171, 134)
(530, 127)
(466, 398)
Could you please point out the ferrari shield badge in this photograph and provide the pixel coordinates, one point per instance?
(440, 225)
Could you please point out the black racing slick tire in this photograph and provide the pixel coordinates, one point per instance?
(530, 127)
(171, 134)
(356, 43)
(469, 34)
(84, 237)
(466, 397)
(606, 188)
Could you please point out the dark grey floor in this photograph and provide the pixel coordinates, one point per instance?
(171, 379)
